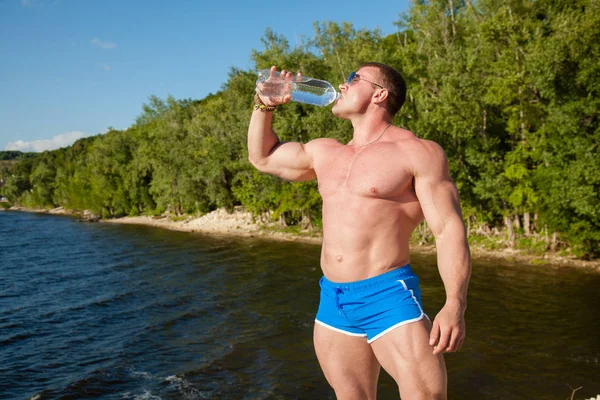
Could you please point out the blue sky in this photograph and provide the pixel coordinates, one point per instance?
(73, 68)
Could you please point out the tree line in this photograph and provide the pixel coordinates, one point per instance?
(509, 88)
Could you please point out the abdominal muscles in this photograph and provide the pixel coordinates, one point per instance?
(365, 236)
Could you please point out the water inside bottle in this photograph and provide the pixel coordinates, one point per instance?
(315, 92)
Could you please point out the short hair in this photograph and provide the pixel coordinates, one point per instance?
(394, 83)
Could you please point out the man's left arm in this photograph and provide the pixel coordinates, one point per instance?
(440, 203)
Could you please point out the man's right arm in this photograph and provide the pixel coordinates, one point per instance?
(288, 160)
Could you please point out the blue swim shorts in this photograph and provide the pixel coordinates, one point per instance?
(371, 307)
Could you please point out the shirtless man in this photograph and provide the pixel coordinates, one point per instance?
(376, 189)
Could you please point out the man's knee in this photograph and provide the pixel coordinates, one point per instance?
(353, 392)
(349, 387)
(422, 395)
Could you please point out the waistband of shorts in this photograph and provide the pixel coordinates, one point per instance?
(379, 280)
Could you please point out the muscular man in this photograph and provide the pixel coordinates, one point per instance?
(376, 189)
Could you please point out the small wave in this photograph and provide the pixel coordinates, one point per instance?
(7, 324)
(16, 338)
(184, 389)
(107, 300)
(101, 301)
(140, 374)
(173, 378)
(176, 387)
(147, 395)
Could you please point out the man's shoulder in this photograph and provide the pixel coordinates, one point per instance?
(408, 140)
(322, 143)
(422, 155)
(411, 143)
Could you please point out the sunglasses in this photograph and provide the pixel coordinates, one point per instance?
(354, 77)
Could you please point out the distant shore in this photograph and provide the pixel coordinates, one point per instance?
(242, 223)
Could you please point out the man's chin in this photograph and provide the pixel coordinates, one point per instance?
(337, 110)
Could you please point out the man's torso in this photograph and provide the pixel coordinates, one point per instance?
(369, 206)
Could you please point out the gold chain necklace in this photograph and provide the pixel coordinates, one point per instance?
(380, 136)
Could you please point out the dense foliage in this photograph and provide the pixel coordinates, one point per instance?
(509, 88)
(14, 155)
(8, 158)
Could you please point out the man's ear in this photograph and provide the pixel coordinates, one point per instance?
(380, 96)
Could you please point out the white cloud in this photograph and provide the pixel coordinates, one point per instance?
(103, 45)
(58, 141)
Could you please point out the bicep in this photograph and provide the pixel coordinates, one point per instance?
(437, 194)
(291, 161)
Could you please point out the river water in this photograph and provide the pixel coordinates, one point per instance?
(103, 311)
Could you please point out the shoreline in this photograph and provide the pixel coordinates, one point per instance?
(242, 224)
(218, 222)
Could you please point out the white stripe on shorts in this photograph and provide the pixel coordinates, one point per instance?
(408, 321)
(339, 330)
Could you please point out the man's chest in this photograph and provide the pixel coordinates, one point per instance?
(379, 172)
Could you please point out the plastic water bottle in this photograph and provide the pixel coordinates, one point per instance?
(303, 89)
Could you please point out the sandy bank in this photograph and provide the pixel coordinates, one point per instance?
(218, 222)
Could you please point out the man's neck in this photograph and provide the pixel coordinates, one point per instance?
(368, 130)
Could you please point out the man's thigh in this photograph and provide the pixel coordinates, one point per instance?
(348, 363)
(406, 355)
